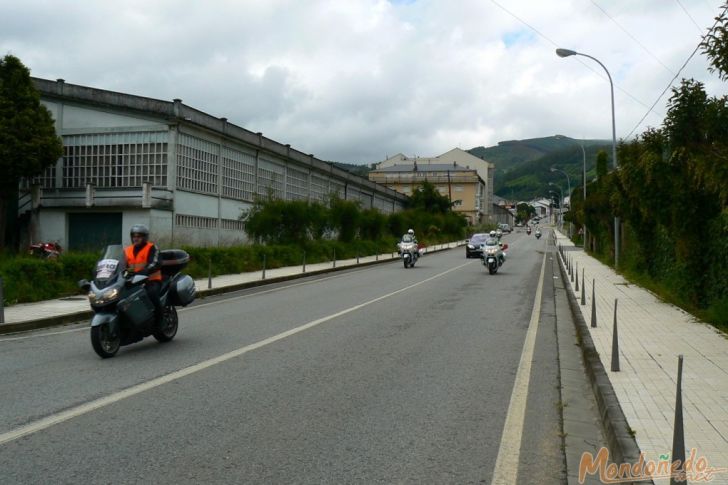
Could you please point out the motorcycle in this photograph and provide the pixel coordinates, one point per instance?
(538, 234)
(494, 256)
(528, 231)
(48, 250)
(124, 313)
(409, 251)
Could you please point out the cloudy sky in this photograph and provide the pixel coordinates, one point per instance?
(357, 80)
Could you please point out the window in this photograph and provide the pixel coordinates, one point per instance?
(197, 165)
(238, 174)
(296, 184)
(113, 160)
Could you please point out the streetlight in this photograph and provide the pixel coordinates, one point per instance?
(568, 182)
(567, 53)
(561, 204)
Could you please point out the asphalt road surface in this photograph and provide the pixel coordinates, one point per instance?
(376, 375)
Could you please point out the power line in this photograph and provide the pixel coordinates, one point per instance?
(669, 85)
(579, 60)
(633, 37)
(689, 16)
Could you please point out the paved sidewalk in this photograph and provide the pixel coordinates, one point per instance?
(651, 336)
(28, 312)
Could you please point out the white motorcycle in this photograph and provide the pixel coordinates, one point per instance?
(409, 251)
(494, 255)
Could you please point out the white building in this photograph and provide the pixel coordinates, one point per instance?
(188, 175)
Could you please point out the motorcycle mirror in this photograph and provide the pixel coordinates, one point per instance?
(84, 284)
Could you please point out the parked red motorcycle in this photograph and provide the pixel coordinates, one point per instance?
(48, 250)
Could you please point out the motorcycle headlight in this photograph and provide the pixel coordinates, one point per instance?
(106, 297)
(470, 246)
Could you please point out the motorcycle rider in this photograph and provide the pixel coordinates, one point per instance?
(142, 258)
(502, 255)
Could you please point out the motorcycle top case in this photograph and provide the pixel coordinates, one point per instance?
(137, 307)
(173, 261)
(183, 290)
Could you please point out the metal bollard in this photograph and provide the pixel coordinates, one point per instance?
(209, 273)
(594, 306)
(577, 276)
(583, 288)
(263, 266)
(2, 302)
(304, 262)
(357, 256)
(571, 273)
(334, 257)
(615, 342)
(678, 435)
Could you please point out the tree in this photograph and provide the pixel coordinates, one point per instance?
(28, 141)
(524, 212)
(601, 164)
(427, 198)
(715, 45)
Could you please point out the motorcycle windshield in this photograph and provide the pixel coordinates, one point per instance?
(110, 266)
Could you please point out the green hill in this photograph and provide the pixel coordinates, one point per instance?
(523, 166)
(531, 179)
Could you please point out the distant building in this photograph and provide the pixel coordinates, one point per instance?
(462, 186)
(188, 175)
(476, 205)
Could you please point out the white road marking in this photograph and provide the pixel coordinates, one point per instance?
(506, 465)
(57, 418)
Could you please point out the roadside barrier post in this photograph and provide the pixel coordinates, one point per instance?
(209, 273)
(577, 276)
(678, 437)
(2, 302)
(583, 288)
(304, 262)
(264, 266)
(615, 342)
(594, 306)
(357, 255)
(571, 266)
(334, 257)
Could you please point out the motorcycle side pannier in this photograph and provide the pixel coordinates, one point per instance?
(173, 261)
(137, 307)
(183, 291)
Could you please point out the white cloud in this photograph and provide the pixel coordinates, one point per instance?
(355, 81)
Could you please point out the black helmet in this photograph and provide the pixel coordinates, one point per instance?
(139, 229)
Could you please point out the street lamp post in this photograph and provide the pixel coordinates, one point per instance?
(567, 53)
(583, 152)
(561, 204)
(568, 183)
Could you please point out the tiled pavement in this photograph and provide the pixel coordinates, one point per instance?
(651, 336)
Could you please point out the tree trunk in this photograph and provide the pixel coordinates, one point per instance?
(3, 221)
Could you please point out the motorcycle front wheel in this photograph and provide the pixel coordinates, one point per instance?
(103, 343)
(171, 323)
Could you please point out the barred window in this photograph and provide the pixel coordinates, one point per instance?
(113, 160)
(197, 164)
(46, 180)
(238, 174)
(337, 189)
(199, 222)
(382, 205)
(296, 184)
(270, 179)
(232, 224)
(319, 189)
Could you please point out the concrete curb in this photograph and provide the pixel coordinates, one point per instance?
(54, 321)
(623, 446)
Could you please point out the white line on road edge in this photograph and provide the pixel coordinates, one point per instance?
(506, 465)
(58, 418)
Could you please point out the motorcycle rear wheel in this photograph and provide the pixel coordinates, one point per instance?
(103, 343)
(171, 324)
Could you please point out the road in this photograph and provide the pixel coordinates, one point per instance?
(375, 375)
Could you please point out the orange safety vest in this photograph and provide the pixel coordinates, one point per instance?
(139, 262)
